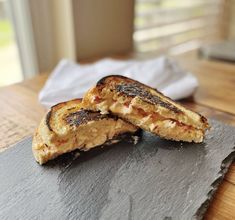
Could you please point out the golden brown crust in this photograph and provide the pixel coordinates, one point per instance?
(137, 103)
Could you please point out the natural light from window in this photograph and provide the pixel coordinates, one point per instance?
(10, 69)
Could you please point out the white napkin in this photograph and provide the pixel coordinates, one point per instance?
(70, 80)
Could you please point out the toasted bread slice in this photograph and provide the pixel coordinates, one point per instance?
(67, 127)
(147, 108)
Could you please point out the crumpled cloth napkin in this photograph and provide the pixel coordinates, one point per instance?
(70, 80)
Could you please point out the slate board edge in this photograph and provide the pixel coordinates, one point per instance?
(214, 186)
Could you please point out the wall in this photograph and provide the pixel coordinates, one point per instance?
(79, 29)
(232, 20)
(103, 27)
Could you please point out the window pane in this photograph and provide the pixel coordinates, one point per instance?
(164, 26)
(10, 71)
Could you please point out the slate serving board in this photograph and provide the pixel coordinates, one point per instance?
(155, 179)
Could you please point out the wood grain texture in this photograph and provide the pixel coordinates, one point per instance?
(216, 80)
(20, 111)
(230, 177)
(220, 208)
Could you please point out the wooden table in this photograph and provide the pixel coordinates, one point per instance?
(20, 113)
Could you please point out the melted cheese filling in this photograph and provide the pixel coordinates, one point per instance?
(143, 115)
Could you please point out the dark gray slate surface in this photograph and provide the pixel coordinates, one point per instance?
(156, 179)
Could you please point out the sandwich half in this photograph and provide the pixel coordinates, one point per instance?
(67, 127)
(146, 108)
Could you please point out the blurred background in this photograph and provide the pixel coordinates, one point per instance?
(35, 35)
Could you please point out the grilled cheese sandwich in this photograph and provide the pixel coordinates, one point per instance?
(146, 108)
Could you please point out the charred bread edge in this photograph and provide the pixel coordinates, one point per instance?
(49, 113)
(85, 116)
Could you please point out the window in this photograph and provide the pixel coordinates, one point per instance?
(177, 26)
(10, 71)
